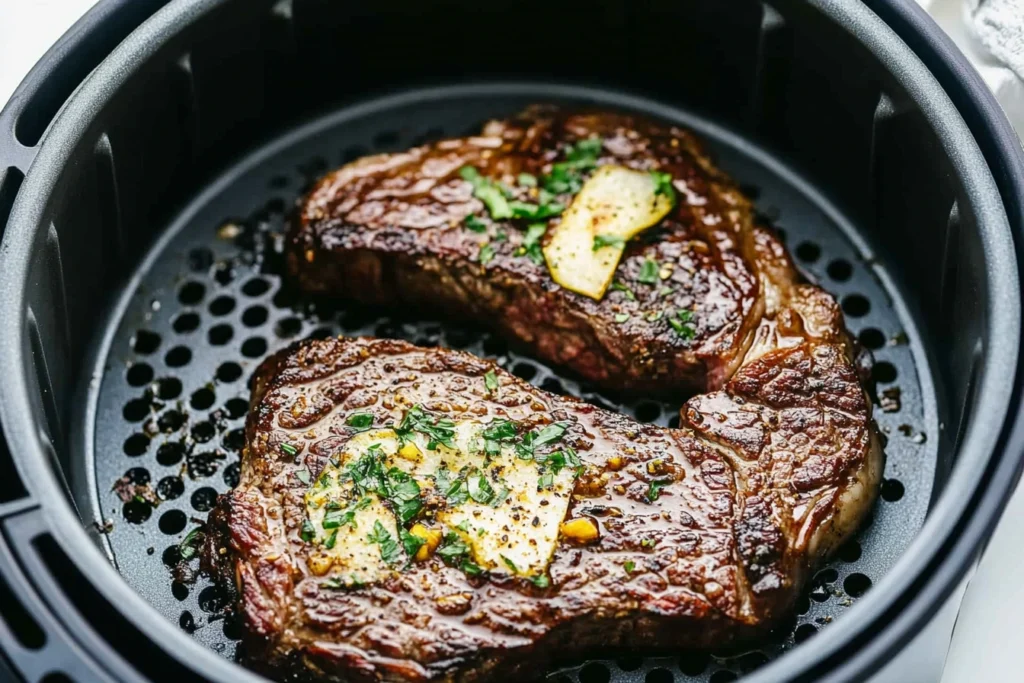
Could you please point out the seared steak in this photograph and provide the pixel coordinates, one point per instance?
(392, 229)
(409, 514)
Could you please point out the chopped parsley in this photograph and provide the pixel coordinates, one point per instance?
(479, 488)
(308, 532)
(510, 564)
(527, 180)
(559, 460)
(546, 481)
(621, 317)
(536, 212)
(487, 254)
(663, 185)
(654, 490)
(331, 540)
(654, 317)
(455, 553)
(302, 475)
(410, 542)
(454, 491)
(487, 191)
(629, 566)
(531, 243)
(540, 581)
(496, 432)
(491, 381)
(682, 324)
(335, 583)
(617, 286)
(187, 547)
(343, 517)
(289, 449)
(601, 241)
(389, 551)
(463, 526)
(550, 434)
(475, 224)
(649, 272)
(360, 420)
(566, 176)
(438, 429)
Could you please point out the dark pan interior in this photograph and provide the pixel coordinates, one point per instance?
(145, 280)
(208, 303)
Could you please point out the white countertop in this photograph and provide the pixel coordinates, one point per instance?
(985, 639)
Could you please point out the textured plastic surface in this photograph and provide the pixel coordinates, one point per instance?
(885, 147)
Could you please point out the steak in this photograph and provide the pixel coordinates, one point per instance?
(392, 229)
(409, 514)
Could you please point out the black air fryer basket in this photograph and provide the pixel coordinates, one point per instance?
(147, 169)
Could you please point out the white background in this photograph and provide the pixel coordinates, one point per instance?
(985, 644)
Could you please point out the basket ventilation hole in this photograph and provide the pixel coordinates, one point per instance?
(191, 293)
(170, 488)
(287, 328)
(254, 316)
(648, 412)
(229, 372)
(525, 371)
(168, 388)
(595, 672)
(872, 338)
(234, 440)
(884, 372)
(136, 410)
(254, 347)
(803, 604)
(856, 585)
(694, 663)
(139, 374)
(186, 322)
(202, 398)
(55, 677)
(173, 522)
(187, 622)
(236, 407)
(170, 421)
(840, 270)
(222, 305)
(145, 342)
(211, 599)
(856, 305)
(850, 551)
(136, 511)
(171, 555)
(170, 453)
(203, 432)
(255, 287)
(224, 275)
(232, 629)
(804, 632)
(136, 444)
(219, 335)
(178, 357)
(138, 476)
(231, 475)
(722, 676)
(179, 590)
(892, 490)
(809, 252)
(204, 498)
(659, 676)
(13, 612)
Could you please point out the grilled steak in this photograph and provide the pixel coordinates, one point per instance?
(392, 229)
(409, 514)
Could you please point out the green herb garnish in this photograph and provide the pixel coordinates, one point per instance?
(621, 317)
(487, 254)
(663, 185)
(289, 449)
(487, 191)
(339, 518)
(546, 481)
(389, 551)
(308, 532)
(411, 543)
(475, 224)
(527, 180)
(601, 241)
(303, 476)
(479, 488)
(438, 429)
(360, 420)
(331, 540)
(629, 566)
(649, 272)
(491, 381)
(540, 581)
(682, 324)
(510, 564)
(619, 287)
(187, 547)
(531, 243)
(654, 490)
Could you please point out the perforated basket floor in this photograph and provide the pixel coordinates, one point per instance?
(208, 303)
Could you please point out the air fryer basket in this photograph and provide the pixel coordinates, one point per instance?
(146, 277)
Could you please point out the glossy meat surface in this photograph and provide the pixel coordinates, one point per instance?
(390, 229)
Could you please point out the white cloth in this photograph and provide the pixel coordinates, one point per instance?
(999, 26)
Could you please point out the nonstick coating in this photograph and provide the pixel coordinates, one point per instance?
(208, 303)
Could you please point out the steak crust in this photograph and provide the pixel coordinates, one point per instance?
(389, 229)
(706, 533)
